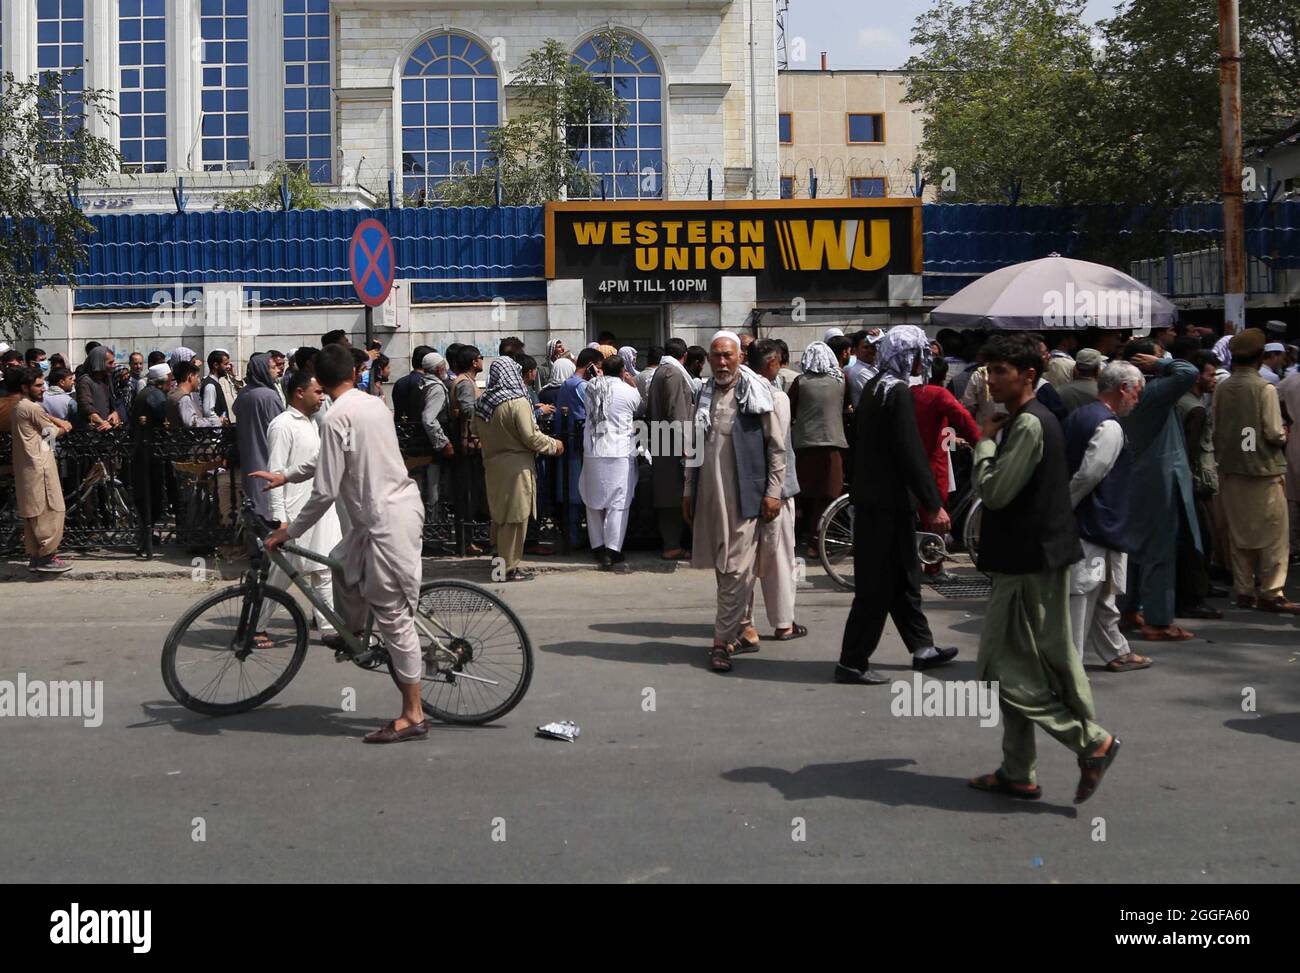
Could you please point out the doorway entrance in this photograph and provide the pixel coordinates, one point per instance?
(639, 327)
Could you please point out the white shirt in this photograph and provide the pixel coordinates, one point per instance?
(293, 440)
(1099, 459)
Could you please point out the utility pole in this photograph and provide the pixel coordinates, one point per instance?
(1234, 206)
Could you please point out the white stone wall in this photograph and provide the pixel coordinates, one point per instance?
(703, 51)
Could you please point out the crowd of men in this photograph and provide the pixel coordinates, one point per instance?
(1119, 478)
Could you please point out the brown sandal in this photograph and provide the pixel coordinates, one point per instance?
(1094, 767)
(390, 734)
(997, 783)
(720, 658)
(1128, 663)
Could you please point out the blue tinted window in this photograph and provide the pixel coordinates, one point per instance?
(223, 25)
(786, 128)
(142, 31)
(59, 47)
(636, 170)
(450, 105)
(866, 128)
(307, 84)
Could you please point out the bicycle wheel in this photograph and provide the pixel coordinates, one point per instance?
(486, 662)
(970, 535)
(205, 666)
(835, 542)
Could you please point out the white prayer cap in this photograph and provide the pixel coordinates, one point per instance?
(832, 333)
(729, 335)
(221, 351)
(431, 361)
(160, 371)
(1273, 346)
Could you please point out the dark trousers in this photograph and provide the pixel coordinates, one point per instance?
(887, 583)
(1193, 565)
(670, 527)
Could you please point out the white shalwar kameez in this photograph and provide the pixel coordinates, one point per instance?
(607, 483)
(293, 440)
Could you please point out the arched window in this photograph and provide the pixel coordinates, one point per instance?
(142, 54)
(629, 157)
(450, 105)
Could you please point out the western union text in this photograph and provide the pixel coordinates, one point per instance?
(741, 245)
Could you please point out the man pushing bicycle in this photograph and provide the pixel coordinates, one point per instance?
(360, 467)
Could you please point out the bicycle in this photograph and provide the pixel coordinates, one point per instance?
(478, 660)
(835, 537)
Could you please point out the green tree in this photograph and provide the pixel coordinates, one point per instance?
(46, 152)
(303, 193)
(531, 151)
(1007, 87)
(1161, 66)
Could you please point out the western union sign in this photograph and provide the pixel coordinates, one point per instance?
(650, 251)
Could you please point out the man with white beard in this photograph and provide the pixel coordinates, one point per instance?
(740, 480)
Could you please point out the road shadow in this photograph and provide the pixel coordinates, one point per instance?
(885, 781)
(1279, 726)
(751, 666)
(700, 631)
(304, 721)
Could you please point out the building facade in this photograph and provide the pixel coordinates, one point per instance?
(847, 134)
(379, 100)
(358, 91)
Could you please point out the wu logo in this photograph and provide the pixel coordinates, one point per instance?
(812, 245)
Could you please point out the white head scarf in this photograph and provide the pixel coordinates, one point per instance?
(158, 373)
(1221, 351)
(561, 372)
(818, 359)
(897, 353)
(830, 333)
(628, 354)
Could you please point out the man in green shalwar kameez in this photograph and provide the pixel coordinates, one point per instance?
(1028, 540)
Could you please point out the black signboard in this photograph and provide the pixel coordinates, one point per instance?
(645, 252)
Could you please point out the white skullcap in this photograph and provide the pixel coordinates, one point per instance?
(729, 335)
(1273, 346)
(832, 333)
(159, 371)
(431, 361)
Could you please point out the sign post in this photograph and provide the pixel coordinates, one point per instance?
(372, 265)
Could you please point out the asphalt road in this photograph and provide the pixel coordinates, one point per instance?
(769, 773)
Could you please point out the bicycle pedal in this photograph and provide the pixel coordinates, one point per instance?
(340, 656)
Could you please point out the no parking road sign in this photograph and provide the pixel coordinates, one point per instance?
(372, 263)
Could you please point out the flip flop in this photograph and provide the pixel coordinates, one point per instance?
(1135, 661)
(797, 631)
(1100, 763)
(996, 783)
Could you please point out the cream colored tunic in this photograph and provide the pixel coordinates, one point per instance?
(723, 540)
(36, 474)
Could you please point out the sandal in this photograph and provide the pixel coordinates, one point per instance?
(720, 659)
(262, 641)
(1127, 663)
(797, 631)
(742, 646)
(1095, 762)
(390, 733)
(1171, 633)
(997, 783)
